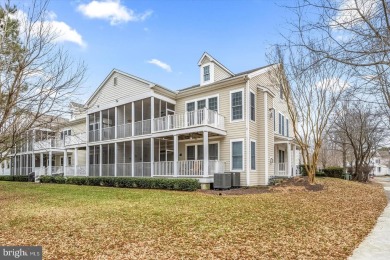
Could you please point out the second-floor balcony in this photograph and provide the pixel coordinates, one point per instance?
(192, 119)
(70, 140)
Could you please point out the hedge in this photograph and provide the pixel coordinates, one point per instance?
(127, 182)
(335, 172)
(21, 178)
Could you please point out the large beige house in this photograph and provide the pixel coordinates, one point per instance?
(229, 122)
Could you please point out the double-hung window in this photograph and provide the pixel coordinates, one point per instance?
(65, 133)
(236, 103)
(253, 108)
(213, 103)
(281, 124)
(206, 73)
(237, 155)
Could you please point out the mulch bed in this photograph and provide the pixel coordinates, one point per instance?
(296, 184)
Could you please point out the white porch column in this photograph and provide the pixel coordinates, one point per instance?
(205, 154)
(132, 126)
(294, 163)
(76, 160)
(20, 165)
(152, 156)
(132, 151)
(151, 114)
(87, 160)
(65, 161)
(100, 126)
(87, 128)
(100, 159)
(175, 155)
(50, 158)
(116, 158)
(33, 162)
(116, 126)
(289, 173)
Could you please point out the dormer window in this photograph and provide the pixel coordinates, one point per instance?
(206, 73)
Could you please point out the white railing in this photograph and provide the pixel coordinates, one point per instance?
(280, 169)
(142, 127)
(94, 135)
(5, 171)
(142, 169)
(189, 119)
(108, 133)
(94, 169)
(124, 130)
(79, 170)
(108, 169)
(80, 138)
(190, 168)
(123, 170)
(216, 167)
(163, 168)
(57, 170)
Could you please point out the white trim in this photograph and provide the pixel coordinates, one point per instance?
(247, 143)
(231, 153)
(266, 89)
(231, 108)
(203, 98)
(109, 76)
(261, 71)
(196, 149)
(215, 61)
(250, 154)
(249, 101)
(266, 164)
(211, 73)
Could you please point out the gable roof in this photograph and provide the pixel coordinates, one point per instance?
(214, 60)
(244, 73)
(151, 84)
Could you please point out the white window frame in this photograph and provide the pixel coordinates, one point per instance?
(203, 98)
(253, 141)
(231, 108)
(231, 154)
(196, 149)
(281, 122)
(250, 106)
(65, 130)
(211, 71)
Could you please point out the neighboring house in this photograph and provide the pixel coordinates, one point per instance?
(229, 122)
(380, 163)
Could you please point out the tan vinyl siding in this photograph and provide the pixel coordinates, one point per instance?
(205, 60)
(258, 177)
(126, 87)
(235, 130)
(220, 73)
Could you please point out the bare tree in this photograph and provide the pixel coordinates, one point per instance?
(356, 33)
(312, 88)
(364, 130)
(37, 77)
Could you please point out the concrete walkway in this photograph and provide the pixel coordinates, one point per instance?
(377, 244)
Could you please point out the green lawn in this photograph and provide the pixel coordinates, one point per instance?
(73, 222)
